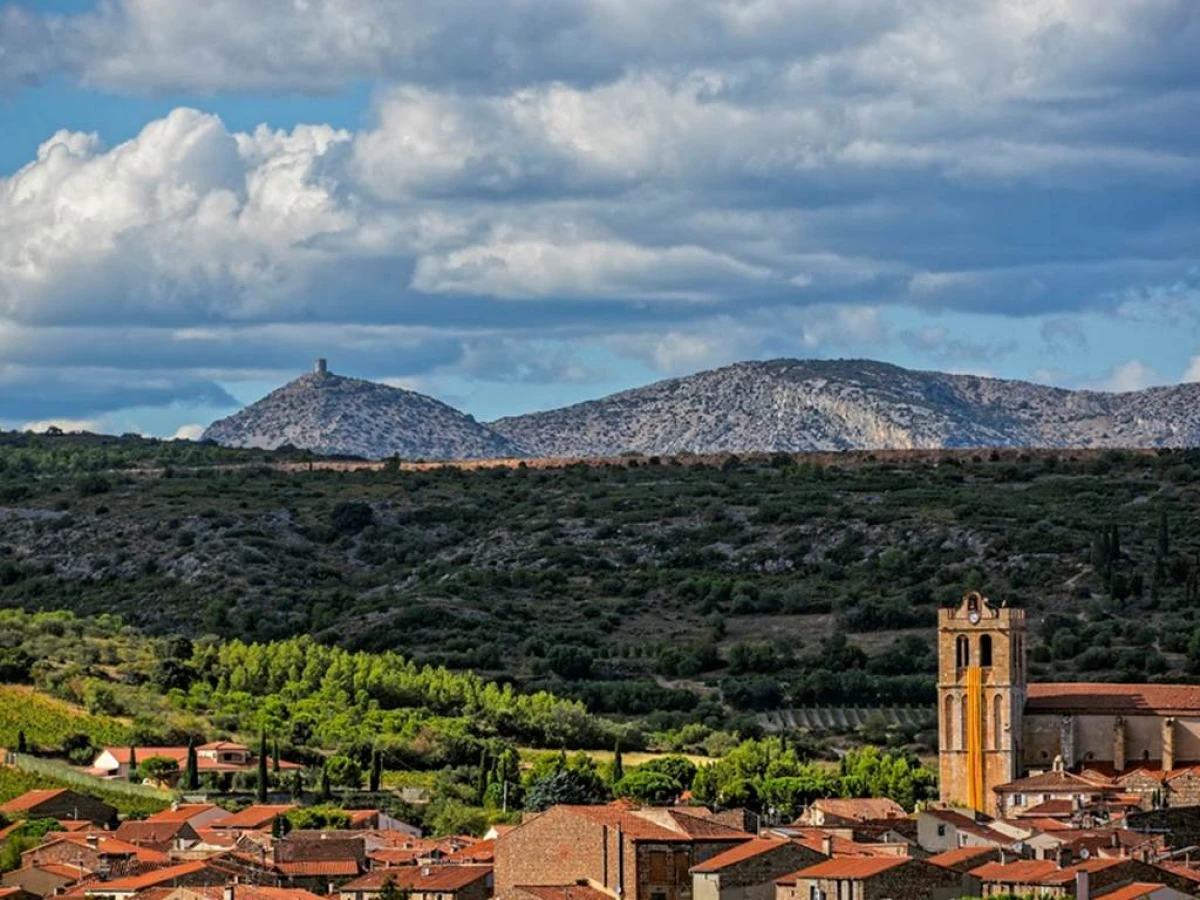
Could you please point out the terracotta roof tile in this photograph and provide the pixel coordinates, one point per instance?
(1055, 781)
(421, 878)
(741, 853)
(155, 878)
(185, 812)
(564, 892)
(951, 859)
(861, 809)
(1183, 870)
(250, 892)
(1127, 699)
(1139, 890)
(307, 867)
(481, 852)
(257, 816)
(30, 799)
(847, 867)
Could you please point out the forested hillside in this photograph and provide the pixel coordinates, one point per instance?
(696, 591)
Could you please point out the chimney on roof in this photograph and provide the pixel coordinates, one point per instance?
(229, 889)
(827, 845)
(1083, 886)
(93, 840)
(1064, 857)
(322, 367)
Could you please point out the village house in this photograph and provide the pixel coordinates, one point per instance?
(59, 803)
(43, 880)
(940, 829)
(259, 817)
(162, 836)
(198, 815)
(748, 871)
(870, 878)
(101, 853)
(462, 882)
(835, 812)
(642, 854)
(1085, 880)
(182, 875)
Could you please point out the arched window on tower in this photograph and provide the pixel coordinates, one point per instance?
(948, 715)
(962, 651)
(962, 718)
(985, 650)
(997, 723)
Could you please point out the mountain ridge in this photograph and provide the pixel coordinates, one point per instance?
(771, 405)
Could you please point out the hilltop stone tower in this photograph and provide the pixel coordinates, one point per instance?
(321, 367)
(981, 700)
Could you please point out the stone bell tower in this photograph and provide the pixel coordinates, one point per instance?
(981, 699)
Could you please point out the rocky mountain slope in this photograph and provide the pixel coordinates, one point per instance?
(331, 414)
(801, 405)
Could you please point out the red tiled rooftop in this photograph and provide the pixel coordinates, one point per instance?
(847, 867)
(149, 879)
(564, 892)
(740, 853)
(1136, 891)
(959, 855)
(421, 878)
(182, 813)
(250, 892)
(105, 843)
(861, 808)
(30, 799)
(258, 816)
(308, 867)
(1126, 699)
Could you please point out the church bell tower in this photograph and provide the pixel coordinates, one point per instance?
(981, 699)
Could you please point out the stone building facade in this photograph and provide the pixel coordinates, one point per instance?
(635, 854)
(995, 727)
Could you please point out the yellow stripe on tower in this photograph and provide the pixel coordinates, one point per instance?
(974, 700)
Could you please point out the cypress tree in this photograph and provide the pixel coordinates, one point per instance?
(297, 785)
(22, 745)
(375, 782)
(191, 774)
(262, 767)
(481, 776)
(618, 764)
(326, 787)
(275, 756)
(133, 764)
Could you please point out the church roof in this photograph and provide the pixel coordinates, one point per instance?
(1113, 699)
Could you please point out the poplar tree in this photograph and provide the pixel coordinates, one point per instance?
(133, 764)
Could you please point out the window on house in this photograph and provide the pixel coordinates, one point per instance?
(1018, 799)
(941, 831)
(1046, 798)
(658, 895)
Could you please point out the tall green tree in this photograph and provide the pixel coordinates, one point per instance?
(22, 745)
(275, 756)
(375, 781)
(618, 764)
(133, 763)
(262, 767)
(326, 786)
(191, 771)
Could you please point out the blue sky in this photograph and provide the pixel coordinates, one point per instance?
(519, 204)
